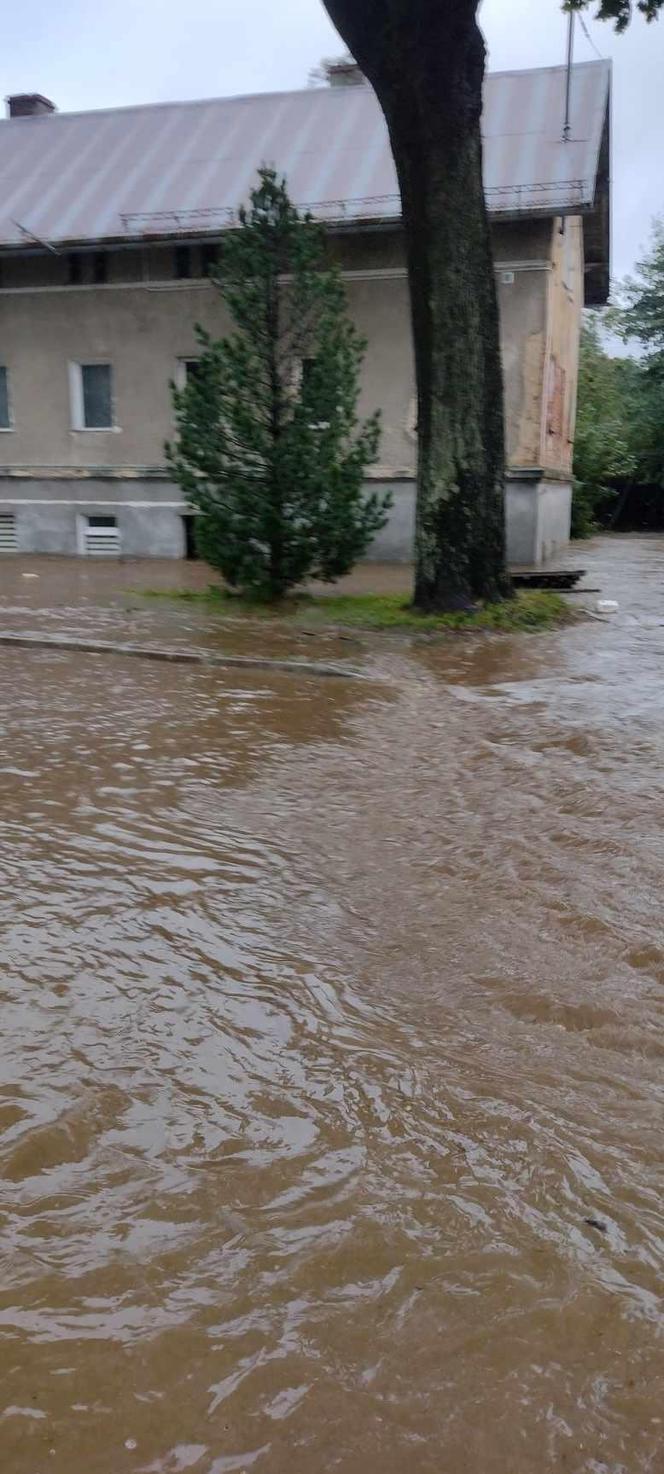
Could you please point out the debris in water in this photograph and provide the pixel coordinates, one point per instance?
(596, 1223)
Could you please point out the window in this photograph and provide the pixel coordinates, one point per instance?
(307, 387)
(91, 396)
(209, 257)
(96, 386)
(186, 369)
(5, 408)
(98, 537)
(74, 270)
(182, 261)
(99, 268)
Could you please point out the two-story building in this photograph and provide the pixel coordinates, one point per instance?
(109, 221)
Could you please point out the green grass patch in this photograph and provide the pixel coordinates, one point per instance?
(530, 609)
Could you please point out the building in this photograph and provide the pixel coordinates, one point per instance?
(109, 221)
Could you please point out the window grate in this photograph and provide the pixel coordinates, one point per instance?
(101, 542)
(8, 543)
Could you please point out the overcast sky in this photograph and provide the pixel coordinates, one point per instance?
(124, 51)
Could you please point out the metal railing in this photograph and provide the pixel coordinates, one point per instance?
(502, 199)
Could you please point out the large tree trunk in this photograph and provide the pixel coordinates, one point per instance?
(425, 59)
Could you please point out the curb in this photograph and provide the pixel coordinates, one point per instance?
(179, 657)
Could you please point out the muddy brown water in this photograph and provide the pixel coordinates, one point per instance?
(331, 1014)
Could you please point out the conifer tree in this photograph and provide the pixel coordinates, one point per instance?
(269, 449)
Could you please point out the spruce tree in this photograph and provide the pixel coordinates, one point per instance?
(269, 449)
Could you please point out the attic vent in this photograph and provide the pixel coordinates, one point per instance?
(8, 542)
(101, 537)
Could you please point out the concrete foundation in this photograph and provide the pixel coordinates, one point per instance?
(537, 517)
(396, 542)
(537, 514)
(52, 515)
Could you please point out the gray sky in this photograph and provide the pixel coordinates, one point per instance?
(120, 51)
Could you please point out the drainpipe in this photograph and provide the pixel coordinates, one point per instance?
(568, 80)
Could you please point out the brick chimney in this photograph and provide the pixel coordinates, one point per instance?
(29, 105)
(344, 73)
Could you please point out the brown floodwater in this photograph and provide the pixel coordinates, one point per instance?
(332, 1044)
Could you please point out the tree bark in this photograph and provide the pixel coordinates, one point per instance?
(426, 61)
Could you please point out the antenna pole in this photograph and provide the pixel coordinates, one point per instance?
(568, 79)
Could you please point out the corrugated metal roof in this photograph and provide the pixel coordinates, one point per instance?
(186, 166)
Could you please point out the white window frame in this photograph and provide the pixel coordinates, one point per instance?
(83, 527)
(181, 368)
(7, 429)
(76, 396)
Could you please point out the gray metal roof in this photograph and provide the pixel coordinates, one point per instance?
(167, 168)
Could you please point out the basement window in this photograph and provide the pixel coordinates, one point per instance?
(8, 543)
(188, 529)
(100, 268)
(99, 537)
(5, 408)
(91, 388)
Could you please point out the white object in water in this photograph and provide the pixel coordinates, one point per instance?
(29, 575)
(607, 606)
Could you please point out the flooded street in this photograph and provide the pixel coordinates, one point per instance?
(331, 1102)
